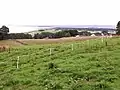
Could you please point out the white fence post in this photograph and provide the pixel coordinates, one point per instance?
(18, 62)
(50, 51)
(102, 39)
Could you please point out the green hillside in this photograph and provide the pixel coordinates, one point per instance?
(84, 65)
(40, 31)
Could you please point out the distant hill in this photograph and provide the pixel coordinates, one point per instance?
(35, 28)
(55, 28)
(80, 26)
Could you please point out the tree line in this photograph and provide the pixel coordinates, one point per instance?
(4, 34)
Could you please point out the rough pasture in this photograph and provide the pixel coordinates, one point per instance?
(92, 65)
(4, 48)
(22, 42)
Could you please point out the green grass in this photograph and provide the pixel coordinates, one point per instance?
(40, 31)
(92, 65)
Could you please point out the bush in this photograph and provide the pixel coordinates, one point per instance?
(19, 36)
(51, 65)
(43, 35)
(85, 33)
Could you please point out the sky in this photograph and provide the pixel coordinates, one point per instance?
(58, 12)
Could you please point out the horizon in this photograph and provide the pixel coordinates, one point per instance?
(58, 12)
(28, 28)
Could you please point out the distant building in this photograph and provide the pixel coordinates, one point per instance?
(77, 36)
(93, 35)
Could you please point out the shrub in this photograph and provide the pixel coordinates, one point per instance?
(51, 65)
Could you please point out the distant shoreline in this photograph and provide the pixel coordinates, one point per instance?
(27, 28)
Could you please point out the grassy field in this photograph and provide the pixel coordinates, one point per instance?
(18, 42)
(84, 65)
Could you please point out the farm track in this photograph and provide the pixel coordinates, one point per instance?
(21, 42)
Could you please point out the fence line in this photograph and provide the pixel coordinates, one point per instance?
(50, 52)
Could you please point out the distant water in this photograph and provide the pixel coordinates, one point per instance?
(20, 29)
(84, 26)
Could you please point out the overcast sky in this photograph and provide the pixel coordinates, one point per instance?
(59, 12)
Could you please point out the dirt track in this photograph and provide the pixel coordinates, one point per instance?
(20, 42)
(49, 41)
